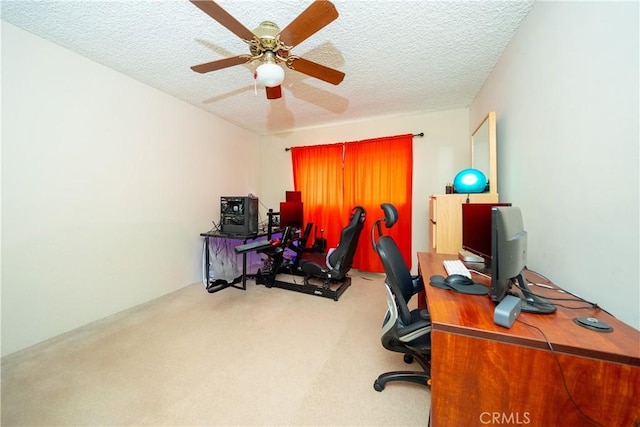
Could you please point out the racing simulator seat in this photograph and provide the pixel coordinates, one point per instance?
(332, 274)
(403, 330)
(339, 261)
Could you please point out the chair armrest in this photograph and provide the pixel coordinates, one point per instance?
(418, 284)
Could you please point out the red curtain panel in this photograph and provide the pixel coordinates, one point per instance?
(318, 175)
(380, 171)
(335, 178)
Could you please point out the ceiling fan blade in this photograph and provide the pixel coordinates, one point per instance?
(219, 64)
(316, 70)
(212, 9)
(274, 92)
(319, 14)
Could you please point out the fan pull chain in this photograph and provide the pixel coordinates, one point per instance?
(255, 83)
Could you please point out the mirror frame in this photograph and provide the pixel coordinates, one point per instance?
(493, 164)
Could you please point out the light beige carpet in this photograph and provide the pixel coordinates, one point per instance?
(264, 356)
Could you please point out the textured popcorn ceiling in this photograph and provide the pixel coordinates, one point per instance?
(398, 56)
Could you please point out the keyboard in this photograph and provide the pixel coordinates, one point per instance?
(456, 267)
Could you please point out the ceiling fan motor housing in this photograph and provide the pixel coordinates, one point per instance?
(267, 40)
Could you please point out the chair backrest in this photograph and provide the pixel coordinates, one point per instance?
(341, 259)
(398, 275)
(389, 219)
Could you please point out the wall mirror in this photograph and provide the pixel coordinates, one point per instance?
(483, 150)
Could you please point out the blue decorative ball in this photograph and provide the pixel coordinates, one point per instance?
(470, 181)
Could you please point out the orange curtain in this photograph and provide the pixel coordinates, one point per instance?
(318, 175)
(380, 171)
(335, 178)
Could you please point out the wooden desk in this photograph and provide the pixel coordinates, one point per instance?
(485, 374)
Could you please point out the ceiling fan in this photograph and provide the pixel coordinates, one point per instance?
(271, 45)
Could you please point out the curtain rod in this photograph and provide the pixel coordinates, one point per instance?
(415, 135)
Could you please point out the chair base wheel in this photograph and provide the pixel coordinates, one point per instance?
(422, 378)
(408, 358)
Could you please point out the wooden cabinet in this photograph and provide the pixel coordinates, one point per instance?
(445, 219)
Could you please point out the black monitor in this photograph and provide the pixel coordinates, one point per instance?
(509, 259)
(476, 230)
(291, 214)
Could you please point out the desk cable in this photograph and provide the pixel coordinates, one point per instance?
(575, 297)
(480, 273)
(564, 380)
(289, 269)
(216, 227)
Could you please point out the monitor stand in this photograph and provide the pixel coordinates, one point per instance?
(532, 303)
(537, 306)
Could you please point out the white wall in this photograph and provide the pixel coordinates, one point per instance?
(438, 156)
(566, 96)
(106, 185)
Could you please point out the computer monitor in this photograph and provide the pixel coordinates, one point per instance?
(293, 196)
(291, 214)
(509, 259)
(476, 230)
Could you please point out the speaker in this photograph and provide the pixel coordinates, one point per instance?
(507, 311)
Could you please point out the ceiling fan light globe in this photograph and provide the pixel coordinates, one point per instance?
(269, 75)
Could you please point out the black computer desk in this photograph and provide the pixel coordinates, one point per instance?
(218, 285)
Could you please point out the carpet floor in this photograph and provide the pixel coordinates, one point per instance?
(260, 357)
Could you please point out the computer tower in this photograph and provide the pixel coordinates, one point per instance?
(239, 215)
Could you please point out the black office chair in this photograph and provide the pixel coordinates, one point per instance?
(403, 330)
(338, 263)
